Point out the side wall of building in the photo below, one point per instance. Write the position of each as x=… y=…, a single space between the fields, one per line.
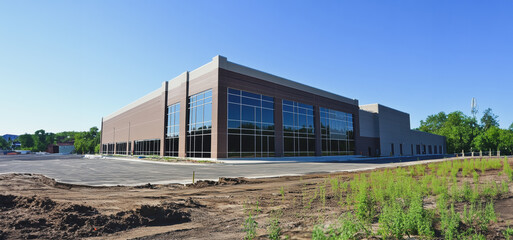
x=141 y=120
x=230 y=79
x=395 y=136
x=369 y=144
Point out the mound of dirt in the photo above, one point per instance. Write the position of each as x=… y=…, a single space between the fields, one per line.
x=222 y=181
x=43 y=218
x=232 y=181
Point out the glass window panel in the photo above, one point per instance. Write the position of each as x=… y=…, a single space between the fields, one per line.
x=310 y=120
x=267 y=126
x=251 y=101
x=176 y=119
x=288 y=118
x=233 y=143
x=248 y=131
x=334 y=145
x=234 y=111
x=252 y=95
x=258 y=143
x=311 y=145
x=268 y=105
x=199 y=114
x=288 y=144
x=248 y=143
x=199 y=125
x=234 y=130
x=248 y=125
x=258 y=115
x=200 y=96
x=198 y=141
x=233 y=98
x=248 y=113
x=206 y=143
x=233 y=124
x=302 y=121
x=267 y=116
x=287 y=102
x=288 y=108
x=267 y=98
x=193 y=115
x=208 y=113
x=208 y=94
x=271 y=146
x=233 y=91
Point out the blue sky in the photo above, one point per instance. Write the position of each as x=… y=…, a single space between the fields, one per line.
x=65 y=64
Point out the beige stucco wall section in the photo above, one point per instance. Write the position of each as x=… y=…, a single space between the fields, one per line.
x=202 y=79
x=177 y=93
x=140 y=120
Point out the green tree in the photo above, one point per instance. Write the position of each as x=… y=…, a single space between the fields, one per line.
x=488 y=139
x=458 y=128
x=506 y=142
x=68 y=136
x=87 y=142
x=511 y=127
x=433 y=123
x=489 y=119
x=42 y=139
x=3 y=143
x=27 y=141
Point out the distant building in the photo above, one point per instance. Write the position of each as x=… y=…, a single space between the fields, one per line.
x=10 y=137
x=63 y=148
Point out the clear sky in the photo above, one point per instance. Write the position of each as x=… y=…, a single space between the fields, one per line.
x=65 y=64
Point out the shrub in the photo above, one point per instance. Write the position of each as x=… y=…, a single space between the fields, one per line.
x=508 y=233
x=250 y=226
x=274 y=229
x=392 y=221
x=418 y=220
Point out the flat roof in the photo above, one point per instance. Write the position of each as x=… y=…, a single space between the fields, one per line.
x=222 y=62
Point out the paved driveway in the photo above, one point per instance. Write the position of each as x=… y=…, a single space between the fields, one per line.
x=106 y=172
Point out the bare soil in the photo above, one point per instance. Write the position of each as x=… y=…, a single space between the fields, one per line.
x=33 y=206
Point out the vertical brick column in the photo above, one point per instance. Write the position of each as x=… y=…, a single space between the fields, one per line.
x=219 y=122
x=101 y=138
x=163 y=98
x=278 y=127
x=184 y=116
x=317 y=126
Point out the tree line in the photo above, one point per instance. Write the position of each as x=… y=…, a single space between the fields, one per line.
x=84 y=142
x=466 y=133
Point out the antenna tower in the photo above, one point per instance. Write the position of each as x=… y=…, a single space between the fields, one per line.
x=473 y=107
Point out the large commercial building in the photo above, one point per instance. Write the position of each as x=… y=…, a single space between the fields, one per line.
x=226 y=110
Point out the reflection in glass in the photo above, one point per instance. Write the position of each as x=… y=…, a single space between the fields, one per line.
x=199 y=125
x=250 y=124
x=172 y=128
x=298 y=129
x=336 y=132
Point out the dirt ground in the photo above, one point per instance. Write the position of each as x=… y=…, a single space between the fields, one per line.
x=35 y=207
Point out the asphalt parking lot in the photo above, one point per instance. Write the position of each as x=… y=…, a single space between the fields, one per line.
x=107 y=172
